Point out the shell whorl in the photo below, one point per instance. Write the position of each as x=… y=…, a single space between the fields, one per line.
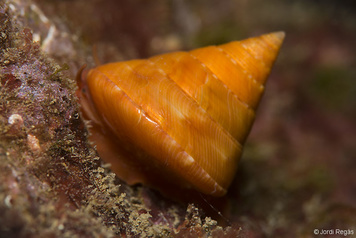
x=190 y=111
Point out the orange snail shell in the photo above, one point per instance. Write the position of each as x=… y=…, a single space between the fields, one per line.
x=179 y=118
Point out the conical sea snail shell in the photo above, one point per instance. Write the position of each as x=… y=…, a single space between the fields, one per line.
x=179 y=118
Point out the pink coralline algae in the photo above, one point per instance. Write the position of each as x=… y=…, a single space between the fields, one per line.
x=44 y=154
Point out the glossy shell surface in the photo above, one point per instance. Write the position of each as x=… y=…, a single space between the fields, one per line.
x=180 y=118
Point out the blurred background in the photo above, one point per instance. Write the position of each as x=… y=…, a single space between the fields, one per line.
x=298 y=170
